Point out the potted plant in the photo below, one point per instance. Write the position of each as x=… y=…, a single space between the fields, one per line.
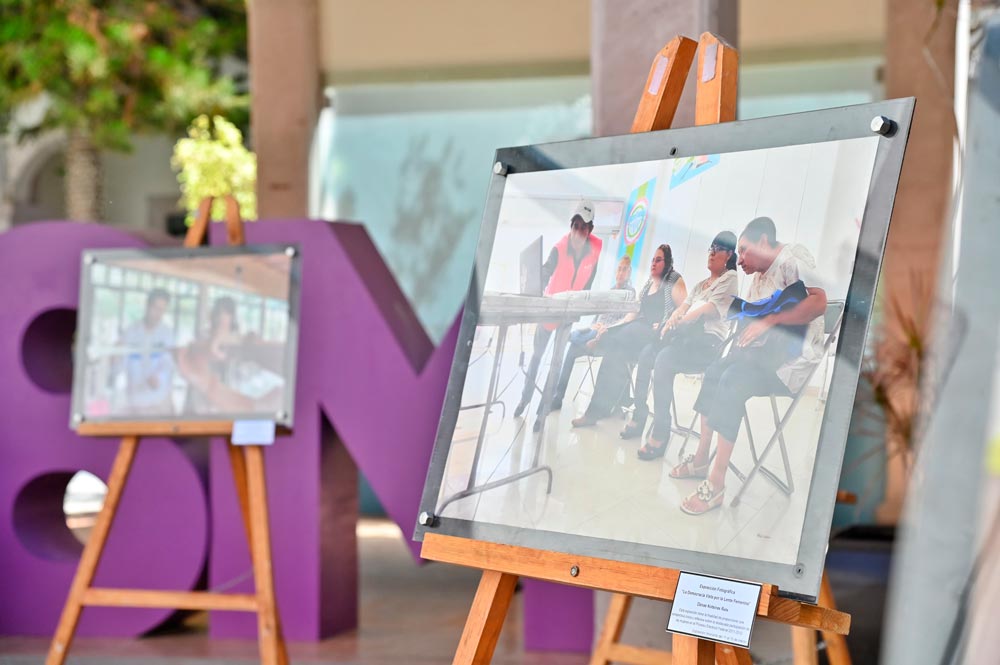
x=212 y=161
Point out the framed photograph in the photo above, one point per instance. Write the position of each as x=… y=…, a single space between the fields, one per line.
x=187 y=335
x=678 y=390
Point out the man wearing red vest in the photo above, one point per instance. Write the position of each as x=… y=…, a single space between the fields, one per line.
x=571 y=266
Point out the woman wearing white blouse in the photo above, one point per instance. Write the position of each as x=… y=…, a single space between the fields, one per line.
x=694 y=334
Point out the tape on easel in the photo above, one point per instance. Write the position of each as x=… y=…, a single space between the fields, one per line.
x=658 y=73
x=711 y=57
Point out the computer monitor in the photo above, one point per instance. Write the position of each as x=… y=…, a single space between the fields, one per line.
x=531 y=269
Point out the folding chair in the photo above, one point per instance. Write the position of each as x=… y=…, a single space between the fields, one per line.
x=690 y=431
x=593 y=378
x=590 y=373
x=831 y=326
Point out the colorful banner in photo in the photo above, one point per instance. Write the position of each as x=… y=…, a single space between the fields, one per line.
x=688 y=167
x=635 y=223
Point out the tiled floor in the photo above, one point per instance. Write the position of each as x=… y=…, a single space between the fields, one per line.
x=600 y=488
x=409 y=614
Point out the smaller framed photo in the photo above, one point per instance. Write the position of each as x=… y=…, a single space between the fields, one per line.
x=186 y=335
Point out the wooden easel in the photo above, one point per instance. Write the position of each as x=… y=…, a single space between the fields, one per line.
x=503 y=564
x=248 y=473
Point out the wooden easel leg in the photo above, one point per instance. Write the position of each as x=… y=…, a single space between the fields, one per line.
x=271 y=644
x=239 y=465
x=804 y=639
x=92 y=552
x=614 y=623
x=664 y=85
x=836 y=644
x=486 y=617
x=715 y=98
x=804 y=646
x=688 y=650
x=730 y=655
x=237 y=460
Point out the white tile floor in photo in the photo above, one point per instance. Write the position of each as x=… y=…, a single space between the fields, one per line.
x=601 y=488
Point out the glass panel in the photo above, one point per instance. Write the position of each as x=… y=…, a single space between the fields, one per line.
x=725 y=273
x=793 y=87
x=153 y=353
x=411 y=162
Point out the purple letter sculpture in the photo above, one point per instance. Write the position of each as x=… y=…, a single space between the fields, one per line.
x=369 y=392
x=160 y=535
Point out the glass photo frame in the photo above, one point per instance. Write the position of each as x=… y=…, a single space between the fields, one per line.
x=186 y=335
x=599 y=418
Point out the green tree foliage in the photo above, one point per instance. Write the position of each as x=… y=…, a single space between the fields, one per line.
x=212 y=161
x=109 y=69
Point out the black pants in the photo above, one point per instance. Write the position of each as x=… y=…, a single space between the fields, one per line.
x=573 y=351
x=643 y=373
x=729 y=382
x=540 y=341
x=620 y=346
x=685 y=354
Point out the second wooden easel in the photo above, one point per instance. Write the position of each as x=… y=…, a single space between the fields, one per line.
x=248 y=473
x=503 y=564
x=715 y=102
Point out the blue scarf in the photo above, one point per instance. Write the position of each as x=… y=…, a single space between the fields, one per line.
x=780 y=300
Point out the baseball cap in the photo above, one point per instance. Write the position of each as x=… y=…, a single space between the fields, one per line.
x=585 y=211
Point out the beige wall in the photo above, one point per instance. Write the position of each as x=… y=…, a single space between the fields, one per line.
x=376 y=40
x=385 y=38
x=811 y=26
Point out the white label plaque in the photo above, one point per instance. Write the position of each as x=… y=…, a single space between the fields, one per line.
x=253 y=433
x=714 y=608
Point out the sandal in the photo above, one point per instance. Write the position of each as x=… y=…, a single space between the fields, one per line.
x=688 y=469
x=650 y=452
x=707 y=494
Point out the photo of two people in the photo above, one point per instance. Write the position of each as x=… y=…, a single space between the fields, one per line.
x=183 y=335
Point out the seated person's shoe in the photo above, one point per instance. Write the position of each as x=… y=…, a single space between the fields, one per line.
x=707 y=497
x=632 y=430
x=688 y=469
x=652 y=450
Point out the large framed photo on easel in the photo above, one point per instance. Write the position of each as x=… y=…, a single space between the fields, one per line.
x=713 y=285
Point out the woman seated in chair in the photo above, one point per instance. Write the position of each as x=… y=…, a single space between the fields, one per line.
x=623 y=343
x=693 y=338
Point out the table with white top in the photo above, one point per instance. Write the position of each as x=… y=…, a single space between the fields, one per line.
x=505 y=310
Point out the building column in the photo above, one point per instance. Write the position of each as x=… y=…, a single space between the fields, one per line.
x=919 y=62
x=285 y=94
x=627 y=34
